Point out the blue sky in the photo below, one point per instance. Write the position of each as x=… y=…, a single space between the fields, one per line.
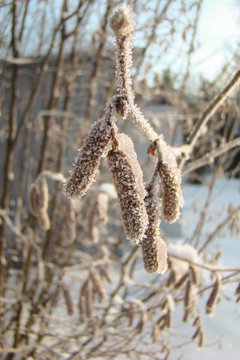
x=218 y=32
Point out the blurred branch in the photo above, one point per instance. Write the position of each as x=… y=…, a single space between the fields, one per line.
x=212 y=108
x=208 y=158
x=218 y=229
x=18 y=61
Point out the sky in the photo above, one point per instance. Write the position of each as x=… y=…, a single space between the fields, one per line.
x=218 y=31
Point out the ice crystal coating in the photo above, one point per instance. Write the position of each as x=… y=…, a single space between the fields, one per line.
x=127 y=178
x=122 y=23
x=170 y=175
x=89 y=157
x=126 y=145
x=154 y=248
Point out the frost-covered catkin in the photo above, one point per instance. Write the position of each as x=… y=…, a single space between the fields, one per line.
x=89 y=157
x=127 y=177
x=154 y=248
x=172 y=199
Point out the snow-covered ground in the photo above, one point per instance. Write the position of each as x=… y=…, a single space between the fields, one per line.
x=222 y=330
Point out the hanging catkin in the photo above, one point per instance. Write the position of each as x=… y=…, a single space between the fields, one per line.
x=213 y=297
x=127 y=177
x=154 y=248
x=172 y=199
x=39 y=201
x=89 y=157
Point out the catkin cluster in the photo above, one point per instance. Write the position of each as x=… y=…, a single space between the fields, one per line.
x=139 y=206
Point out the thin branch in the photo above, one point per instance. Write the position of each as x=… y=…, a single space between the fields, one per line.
x=212 y=108
x=218 y=229
x=208 y=158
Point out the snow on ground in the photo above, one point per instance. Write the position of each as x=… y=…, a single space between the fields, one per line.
x=222 y=330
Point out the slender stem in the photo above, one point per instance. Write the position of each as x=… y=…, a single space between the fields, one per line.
x=210 y=111
x=208 y=158
x=218 y=229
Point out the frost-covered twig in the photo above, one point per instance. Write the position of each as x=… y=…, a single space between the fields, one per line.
x=122 y=160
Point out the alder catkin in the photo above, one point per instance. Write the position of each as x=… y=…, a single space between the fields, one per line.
x=213 y=297
x=154 y=248
x=87 y=163
x=105 y=275
x=34 y=199
x=127 y=178
x=98 y=287
x=172 y=198
x=39 y=201
x=190 y=298
x=68 y=299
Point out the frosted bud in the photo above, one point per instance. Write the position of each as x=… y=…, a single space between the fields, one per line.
x=121 y=106
x=127 y=178
x=122 y=21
